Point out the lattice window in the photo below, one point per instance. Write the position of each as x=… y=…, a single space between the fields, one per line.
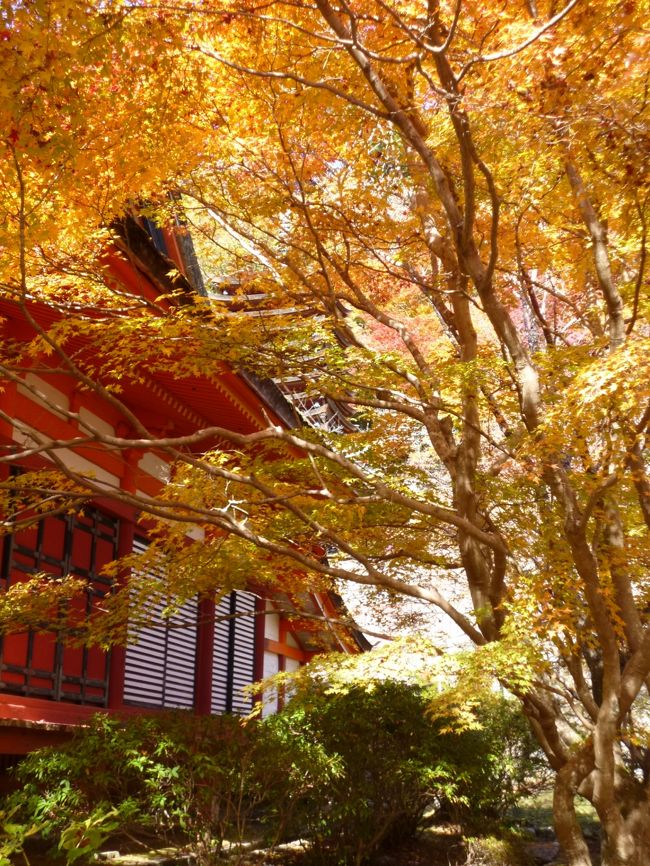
x=37 y=663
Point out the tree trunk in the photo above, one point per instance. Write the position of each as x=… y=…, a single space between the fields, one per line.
x=626 y=831
x=625 y=826
x=567 y=828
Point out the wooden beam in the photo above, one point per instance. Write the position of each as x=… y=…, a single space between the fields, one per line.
x=284 y=649
x=20 y=741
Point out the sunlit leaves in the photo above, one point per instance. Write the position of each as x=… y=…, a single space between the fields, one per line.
x=86 y=91
x=383 y=210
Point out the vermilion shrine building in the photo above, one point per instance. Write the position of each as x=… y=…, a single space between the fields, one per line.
x=198 y=660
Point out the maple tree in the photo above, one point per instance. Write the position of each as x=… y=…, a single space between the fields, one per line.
x=432 y=214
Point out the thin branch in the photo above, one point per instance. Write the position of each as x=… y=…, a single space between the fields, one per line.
x=298 y=79
x=185 y=513
x=641 y=272
x=511 y=52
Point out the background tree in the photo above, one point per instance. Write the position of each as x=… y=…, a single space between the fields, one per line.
x=444 y=209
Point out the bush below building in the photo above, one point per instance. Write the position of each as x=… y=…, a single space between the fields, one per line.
x=354 y=773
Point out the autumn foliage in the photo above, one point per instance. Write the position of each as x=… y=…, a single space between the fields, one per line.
x=433 y=214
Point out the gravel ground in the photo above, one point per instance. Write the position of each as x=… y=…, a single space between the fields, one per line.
x=437 y=846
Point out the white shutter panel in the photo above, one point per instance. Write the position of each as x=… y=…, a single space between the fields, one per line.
x=220 y=655
x=234 y=654
x=180 y=667
x=244 y=652
x=144 y=669
x=160 y=667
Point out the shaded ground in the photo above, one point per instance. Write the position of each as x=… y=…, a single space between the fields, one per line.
x=437 y=846
x=440 y=846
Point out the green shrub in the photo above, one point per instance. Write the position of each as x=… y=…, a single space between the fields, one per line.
x=13 y=832
x=385 y=768
x=353 y=771
x=389 y=763
x=173 y=775
x=493 y=851
x=495 y=764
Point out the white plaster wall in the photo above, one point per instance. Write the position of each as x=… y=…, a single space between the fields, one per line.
x=74 y=461
x=95 y=422
x=46 y=395
x=270 y=664
x=86 y=468
x=154 y=466
x=23 y=439
x=271 y=624
x=270 y=704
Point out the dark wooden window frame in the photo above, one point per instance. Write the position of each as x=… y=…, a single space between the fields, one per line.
x=18 y=559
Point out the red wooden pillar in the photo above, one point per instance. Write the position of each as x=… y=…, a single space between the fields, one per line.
x=258 y=653
x=260 y=631
x=282 y=659
x=4 y=475
x=282 y=640
x=204 y=656
x=118 y=653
